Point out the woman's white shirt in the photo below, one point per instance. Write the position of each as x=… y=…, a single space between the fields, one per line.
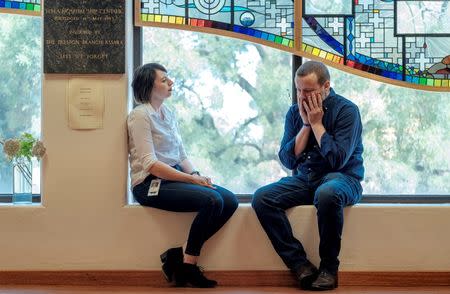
x=151 y=138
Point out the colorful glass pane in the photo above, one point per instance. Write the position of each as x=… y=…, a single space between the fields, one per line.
x=428 y=57
x=270 y=20
x=27 y=6
x=370 y=42
x=373 y=36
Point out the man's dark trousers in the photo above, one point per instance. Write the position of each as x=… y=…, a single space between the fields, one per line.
x=329 y=194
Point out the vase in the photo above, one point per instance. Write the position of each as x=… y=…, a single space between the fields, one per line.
x=23 y=179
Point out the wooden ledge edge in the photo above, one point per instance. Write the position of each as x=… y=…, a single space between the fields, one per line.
x=233 y=278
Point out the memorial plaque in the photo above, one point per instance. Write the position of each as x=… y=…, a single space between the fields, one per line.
x=84 y=36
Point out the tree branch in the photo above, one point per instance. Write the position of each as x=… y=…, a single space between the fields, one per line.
x=243 y=126
x=246 y=86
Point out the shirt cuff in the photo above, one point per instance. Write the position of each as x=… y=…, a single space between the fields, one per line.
x=288 y=153
x=325 y=144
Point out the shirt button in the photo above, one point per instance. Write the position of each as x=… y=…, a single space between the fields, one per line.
x=309 y=169
x=309 y=157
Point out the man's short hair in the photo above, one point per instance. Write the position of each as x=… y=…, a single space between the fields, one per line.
x=316 y=67
x=143 y=81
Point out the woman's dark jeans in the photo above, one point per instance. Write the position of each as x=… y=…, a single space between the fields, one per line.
x=214 y=206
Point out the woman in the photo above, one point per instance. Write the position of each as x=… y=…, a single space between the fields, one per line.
x=164 y=178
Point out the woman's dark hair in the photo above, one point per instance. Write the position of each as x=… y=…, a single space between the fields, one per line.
x=143 y=81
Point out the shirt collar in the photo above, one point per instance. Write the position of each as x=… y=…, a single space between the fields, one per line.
x=153 y=111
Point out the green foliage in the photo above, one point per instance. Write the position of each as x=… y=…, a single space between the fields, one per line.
x=20 y=152
x=26 y=146
x=20 y=55
x=23 y=148
x=406 y=132
x=231 y=98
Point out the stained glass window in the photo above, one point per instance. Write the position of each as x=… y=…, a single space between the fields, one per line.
x=271 y=21
x=369 y=41
x=398 y=41
x=22 y=6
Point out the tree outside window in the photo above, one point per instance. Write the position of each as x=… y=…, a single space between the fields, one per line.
x=20 y=89
x=231 y=98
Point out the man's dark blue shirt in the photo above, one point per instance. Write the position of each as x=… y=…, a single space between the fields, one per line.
x=341 y=145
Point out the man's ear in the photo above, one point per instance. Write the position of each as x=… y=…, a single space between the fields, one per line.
x=327 y=85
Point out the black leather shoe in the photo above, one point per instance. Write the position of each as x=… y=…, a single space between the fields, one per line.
x=306 y=274
x=193 y=276
x=325 y=281
x=172 y=261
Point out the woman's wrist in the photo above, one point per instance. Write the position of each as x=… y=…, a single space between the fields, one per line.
x=195 y=172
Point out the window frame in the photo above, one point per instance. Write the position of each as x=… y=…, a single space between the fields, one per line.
x=7 y=198
x=296 y=62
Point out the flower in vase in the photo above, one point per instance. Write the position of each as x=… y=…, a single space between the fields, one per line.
x=20 y=152
x=11 y=147
x=38 y=150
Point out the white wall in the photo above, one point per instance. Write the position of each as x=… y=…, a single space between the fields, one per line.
x=85 y=224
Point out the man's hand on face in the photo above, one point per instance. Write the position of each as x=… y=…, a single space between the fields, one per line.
x=302 y=111
x=313 y=107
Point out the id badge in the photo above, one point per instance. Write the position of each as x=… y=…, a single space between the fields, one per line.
x=154 y=187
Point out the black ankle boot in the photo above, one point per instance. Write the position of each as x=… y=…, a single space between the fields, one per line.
x=193 y=275
x=172 y=260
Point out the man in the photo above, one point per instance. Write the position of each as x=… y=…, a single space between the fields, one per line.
x=322 y=143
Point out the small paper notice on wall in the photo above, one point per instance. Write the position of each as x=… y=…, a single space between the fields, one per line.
x=86 y=103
